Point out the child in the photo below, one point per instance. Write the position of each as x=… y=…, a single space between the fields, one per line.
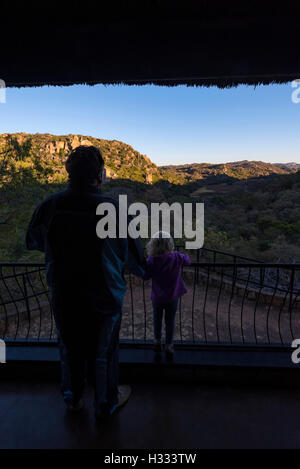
x=164 y=267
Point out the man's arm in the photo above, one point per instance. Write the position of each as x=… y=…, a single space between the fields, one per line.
x=136 y=262
x=38 y=227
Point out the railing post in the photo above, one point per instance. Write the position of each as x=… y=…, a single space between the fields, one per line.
x=235 y=273
x=292 y=288
x=25 y=296
x=262 y=275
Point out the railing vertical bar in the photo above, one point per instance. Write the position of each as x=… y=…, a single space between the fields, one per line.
x=292 y=281
x=279 y=316
x=204 y=305
x=49 y=302
x=255 y=310
x=27 y=304
x=193 y=305
x=230 y=301
x=23 y=290
x=180 y=318
x=271 y=302
x=37 y=301
x=132 y=312
x=198 y=260
x=3 y=304
x=15 y=304
x=217 y=306
x=242 y=305
x=145 y=313
x=295 y=300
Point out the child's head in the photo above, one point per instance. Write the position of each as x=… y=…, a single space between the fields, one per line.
x=161 y=243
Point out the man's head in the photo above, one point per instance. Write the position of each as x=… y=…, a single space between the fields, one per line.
x=85 y=166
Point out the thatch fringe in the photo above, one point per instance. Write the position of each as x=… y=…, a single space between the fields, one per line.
x=198 y=82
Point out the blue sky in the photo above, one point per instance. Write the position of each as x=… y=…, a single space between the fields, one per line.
x=170 y=125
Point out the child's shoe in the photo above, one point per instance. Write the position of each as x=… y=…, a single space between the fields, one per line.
x=157 y=346
x=169 y=349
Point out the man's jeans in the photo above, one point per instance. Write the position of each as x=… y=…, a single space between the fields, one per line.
x=170 y=312
x=102 y=366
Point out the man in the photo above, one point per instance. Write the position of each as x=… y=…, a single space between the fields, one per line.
x=86 y=281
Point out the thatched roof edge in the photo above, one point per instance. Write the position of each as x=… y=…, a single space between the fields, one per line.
x=224 y=82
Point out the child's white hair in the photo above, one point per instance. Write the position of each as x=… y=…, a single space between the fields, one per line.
x=160 y=243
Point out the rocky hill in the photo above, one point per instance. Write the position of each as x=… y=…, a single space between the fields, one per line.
x=44 y=155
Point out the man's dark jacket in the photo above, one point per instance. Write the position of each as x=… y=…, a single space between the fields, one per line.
x=85 y=274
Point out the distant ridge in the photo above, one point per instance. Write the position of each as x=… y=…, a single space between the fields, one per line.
x=292 y=166
x=46 y=153
x=238 y=170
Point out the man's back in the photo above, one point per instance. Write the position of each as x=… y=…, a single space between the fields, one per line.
x=84 y=272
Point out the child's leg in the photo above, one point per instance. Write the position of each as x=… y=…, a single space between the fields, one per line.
x=170 y=313
x=157 y=320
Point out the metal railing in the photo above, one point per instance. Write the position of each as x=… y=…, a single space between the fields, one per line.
x=215 y=255
x=227 y=303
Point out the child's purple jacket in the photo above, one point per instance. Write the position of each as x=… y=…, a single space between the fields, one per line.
x=165 y=271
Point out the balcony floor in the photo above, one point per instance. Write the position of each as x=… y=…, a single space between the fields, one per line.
x=32 y=415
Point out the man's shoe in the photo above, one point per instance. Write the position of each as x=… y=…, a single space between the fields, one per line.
x=157 y=346
x=124 y=393
x=169 y=349
x=74 y=408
